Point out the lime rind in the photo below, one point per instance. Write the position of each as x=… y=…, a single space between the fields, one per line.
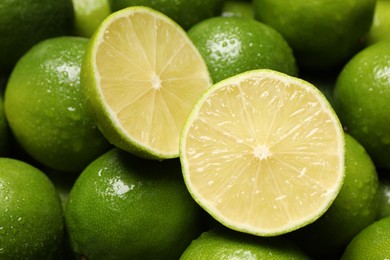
x=243 y=227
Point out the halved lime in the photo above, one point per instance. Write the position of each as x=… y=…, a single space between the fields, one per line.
x=142 y=75
x=263 y=152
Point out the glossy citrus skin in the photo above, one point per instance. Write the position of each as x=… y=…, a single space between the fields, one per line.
x=25 y=23
x=231 y=45
x=323 y=34
x=46 y=109
x=373 y=242
x=185 y=13
x=4 y=131
x=31 y=217
x=380 y=28
x=88 y=14
x=124 y=207
x=237 y=8
x=220 y=243
x=361 y=99
x=354 y=208
x=384 y=196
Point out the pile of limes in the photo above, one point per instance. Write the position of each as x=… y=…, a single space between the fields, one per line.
x=194 y=129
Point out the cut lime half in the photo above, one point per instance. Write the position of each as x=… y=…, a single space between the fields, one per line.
x=263 y=153
x=141 y=76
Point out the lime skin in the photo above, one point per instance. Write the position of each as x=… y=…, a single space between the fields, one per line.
x=31 y=218
x=231 y=45
x=46 y=109
x=125 y=207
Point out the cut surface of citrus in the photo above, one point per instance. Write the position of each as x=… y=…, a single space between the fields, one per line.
x=142 y=75
x=263 y=153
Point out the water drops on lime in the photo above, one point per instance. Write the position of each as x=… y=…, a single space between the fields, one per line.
x=157 y=216
x=46 y=109
x=231 y=45
x=31 y=219
x=373 y=242
x=361 y=97
x=354 y=208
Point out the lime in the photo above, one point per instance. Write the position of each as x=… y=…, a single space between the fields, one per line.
x=361 y=99
x=31 y=218
x=227 y=244
x=232 y=45
x=380 y=28
x=354 y=208
x=237 y=8
x=5 y=135
x=323 y=34
x=25 y=23
x=4 y=131
x=373 y=242
x=124 y=207
x=45 y=107
x=263 y=153
x=185 y=12
x=384 y=197
x=141 y=76
x=88 y=14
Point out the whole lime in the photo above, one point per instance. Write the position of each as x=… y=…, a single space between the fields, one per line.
x=45 y=106
x=324 y=34
x=238 y=8
x=88 y=14
x=4 y=131
x=232 y=45
x=25 y=23
x=361 y=100
x=185 y=12
x=221 y=243
x=373 y=242
x=384 y=197
x=124 y=207
x=380 y=28
x=31 y=217
x=354 y=208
